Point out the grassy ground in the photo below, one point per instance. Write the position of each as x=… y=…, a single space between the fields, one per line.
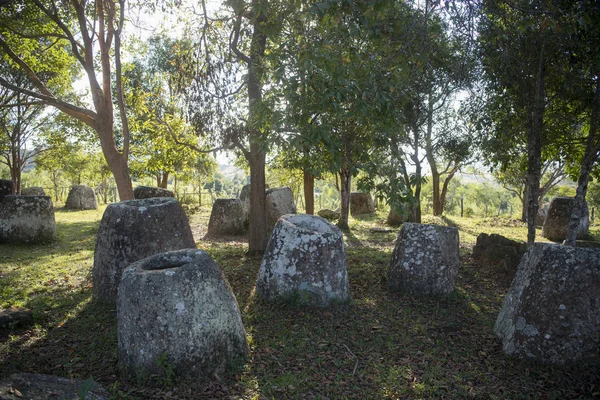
x=380 y=345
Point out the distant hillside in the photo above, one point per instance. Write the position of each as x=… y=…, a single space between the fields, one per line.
x=230 y=171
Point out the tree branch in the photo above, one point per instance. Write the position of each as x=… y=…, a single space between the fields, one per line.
x=86 y=116
x=234 y=43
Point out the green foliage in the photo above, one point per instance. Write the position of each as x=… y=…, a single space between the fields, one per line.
x=85 y=388
x=163 y=142
x=167 y=377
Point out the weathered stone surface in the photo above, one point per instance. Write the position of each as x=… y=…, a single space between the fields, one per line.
x=397 y=219
x=551 y=312
x=81 y=197
x=540 y=218
x=27 y=219
x=15 y=318
x=245 y=193
x=587 y=244
x=5 y=188
x=425 y=259
x=148 y=192
x=305 y=257
x=227 y=218
x=33 y=191
x=279 y=201
x=497 y=250
x=44 y=387
x=331 y=215
x=361 y=203
x=132 y=230
x=179 y=304
x=557 y=220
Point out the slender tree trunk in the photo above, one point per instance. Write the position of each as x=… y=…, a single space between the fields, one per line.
x=165 y=180
x=417 y=203
x=524 y=200
x=55 y=183
x=438 y=206
x=445 y=189
x=534 y=149
x=591 y=155
x=345 y=182
x=309 y=192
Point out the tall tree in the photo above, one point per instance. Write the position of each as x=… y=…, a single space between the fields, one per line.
x=585 y=63
x=20 y=120
x=231 y=46
x=522 y=63
x=155 y=92
x=41 y=34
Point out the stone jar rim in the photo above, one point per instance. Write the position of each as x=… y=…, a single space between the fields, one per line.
x=291 y=219
x=145 y=203
x=172 y=260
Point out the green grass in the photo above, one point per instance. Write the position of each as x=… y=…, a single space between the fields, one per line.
x=379 y=345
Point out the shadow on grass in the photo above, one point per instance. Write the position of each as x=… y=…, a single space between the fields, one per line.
x=398 y=345
x=81 y=342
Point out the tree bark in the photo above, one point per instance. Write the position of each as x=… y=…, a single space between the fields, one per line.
x=534 y=149
x=257 y=241
x=165 y=180
x=345 y=182
x=309 y=192
x=590 y=156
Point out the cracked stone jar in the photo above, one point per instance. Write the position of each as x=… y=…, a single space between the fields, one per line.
x=132 y=230
x=305 y=259
x=177 y=309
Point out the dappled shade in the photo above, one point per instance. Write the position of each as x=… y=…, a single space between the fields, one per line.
x=551 y=312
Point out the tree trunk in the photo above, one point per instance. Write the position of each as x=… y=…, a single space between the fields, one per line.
x=534 y=150
x=417 y=203
x=345 y=181
x=590 y=156
x=309 y=192
x=524 y=204
x=257 y=237
x=165 y=180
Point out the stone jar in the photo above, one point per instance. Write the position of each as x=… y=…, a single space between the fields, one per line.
x=361 y=203
x=33 y=191
x=147 y=192
x=227 y=218
x=425 y=259
x=27 y=219
x=305 y=258
x=132 y=230
x=551 y=312
x=558 y=218
x=178 y=305
x=278 y=202
x=81 y=197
